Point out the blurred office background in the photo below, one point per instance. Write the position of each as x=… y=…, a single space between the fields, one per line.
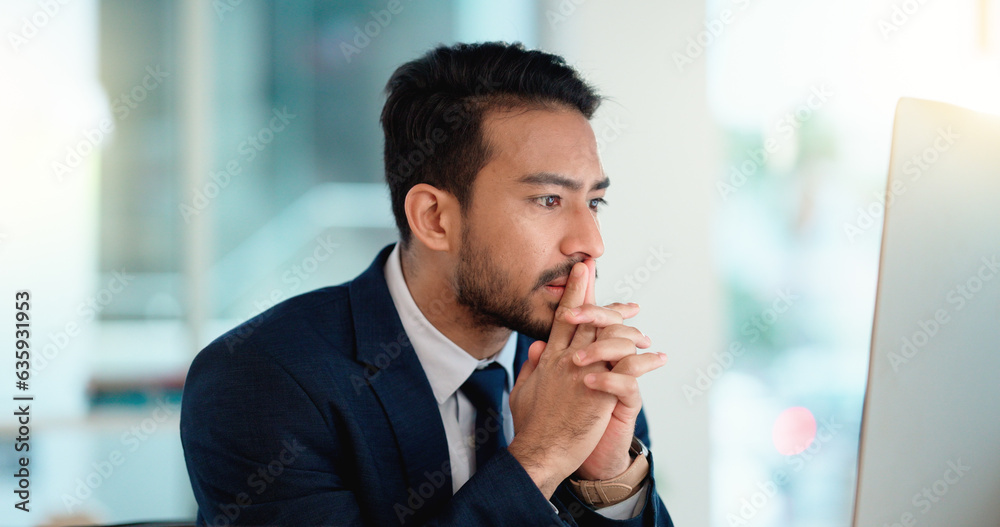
x=169 y=169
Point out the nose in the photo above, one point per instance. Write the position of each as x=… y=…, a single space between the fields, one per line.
x=583 y=235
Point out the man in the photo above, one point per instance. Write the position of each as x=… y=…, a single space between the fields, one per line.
x=392 y=399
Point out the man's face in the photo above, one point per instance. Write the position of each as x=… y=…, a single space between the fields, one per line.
x=533 y=214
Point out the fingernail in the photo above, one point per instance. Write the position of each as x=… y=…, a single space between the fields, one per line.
x=580 y=356
x=633 y=304
x=575 y=311
x=663 y=356
x=590 y=378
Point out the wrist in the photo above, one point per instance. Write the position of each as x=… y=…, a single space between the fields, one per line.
x=535 y=462
x=613 y=470
x=604 y=492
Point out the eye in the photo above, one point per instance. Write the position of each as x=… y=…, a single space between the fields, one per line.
x=597 y=203
x=548 y=201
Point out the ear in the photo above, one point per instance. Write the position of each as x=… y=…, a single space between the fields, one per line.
x=434 y=217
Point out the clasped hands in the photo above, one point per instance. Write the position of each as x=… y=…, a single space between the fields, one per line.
x=576 y=399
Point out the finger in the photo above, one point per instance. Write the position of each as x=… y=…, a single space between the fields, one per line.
x=624 y=387
x=534 y=354
x=640 y=364
x=611 y=349
x=640 y=339
x=605 y=350
x=596 y=316
x=573 y=296
x=535 y=350
x=590 y=297
x=627 y=310
x=584 y=336
x=586 y=333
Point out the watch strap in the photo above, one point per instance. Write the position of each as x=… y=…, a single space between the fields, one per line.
x=601 y=493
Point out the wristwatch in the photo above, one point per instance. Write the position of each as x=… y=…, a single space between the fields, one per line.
x=604 y=492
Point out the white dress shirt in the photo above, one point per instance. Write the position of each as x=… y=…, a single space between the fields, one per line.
x=447 y=367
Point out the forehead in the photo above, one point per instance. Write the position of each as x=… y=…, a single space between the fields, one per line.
x=529 y=141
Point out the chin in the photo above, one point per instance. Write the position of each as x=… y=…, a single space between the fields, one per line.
x=541 y=323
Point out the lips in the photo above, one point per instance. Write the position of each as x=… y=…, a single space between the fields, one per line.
x=560 y=282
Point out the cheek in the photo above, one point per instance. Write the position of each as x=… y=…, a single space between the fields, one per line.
x=517 y=236
x=521 y=242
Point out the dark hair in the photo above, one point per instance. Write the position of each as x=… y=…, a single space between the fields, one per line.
x=433 y=113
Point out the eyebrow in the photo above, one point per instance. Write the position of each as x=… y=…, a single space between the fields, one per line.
x=549 y=178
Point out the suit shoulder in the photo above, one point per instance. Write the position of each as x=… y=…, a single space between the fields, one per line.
x=303 y=324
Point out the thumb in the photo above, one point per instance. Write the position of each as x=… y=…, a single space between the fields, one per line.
x=534 y=354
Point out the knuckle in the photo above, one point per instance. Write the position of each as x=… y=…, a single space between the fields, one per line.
x=610 y=316
x=625 y=367
x=626 y=344
x=616 y=331
x=595 y=349
x=630 y=366
x=564 y=362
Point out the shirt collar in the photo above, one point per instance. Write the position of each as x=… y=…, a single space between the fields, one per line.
x=446 y=365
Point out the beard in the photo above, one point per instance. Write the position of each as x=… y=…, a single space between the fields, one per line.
x=490 y=292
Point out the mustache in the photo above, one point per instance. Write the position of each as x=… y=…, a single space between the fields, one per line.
x=560 y=272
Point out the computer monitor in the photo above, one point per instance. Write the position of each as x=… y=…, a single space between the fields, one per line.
x=930 y=436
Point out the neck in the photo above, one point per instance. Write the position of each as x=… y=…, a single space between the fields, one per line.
x=426 y=276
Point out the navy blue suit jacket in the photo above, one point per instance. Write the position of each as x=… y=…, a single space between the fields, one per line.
x=317 y=412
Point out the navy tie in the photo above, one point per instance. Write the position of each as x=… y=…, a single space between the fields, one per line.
x=484 y=388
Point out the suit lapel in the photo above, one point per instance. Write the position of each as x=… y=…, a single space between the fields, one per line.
x=401 y=385
x=399 y=382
